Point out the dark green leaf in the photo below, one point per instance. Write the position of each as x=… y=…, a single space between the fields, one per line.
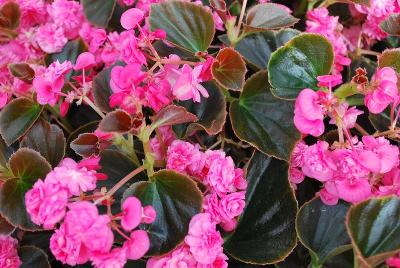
x=188 y=25
x=258 y=47
x=17 y=117
x=263 y=120
x=86 y=145
x=229 y=69
x=321 y=228
x=47 y=139
x=381 y=122
x=98 y=12
x=211 y=113
x=266 y=230
x=268 y=16
x=296 y=65
x=172 y=115
x=390 y=58
x=33 y=257
x=22 y=71
x=391 y=25
x=374 y=228
x=176 y=199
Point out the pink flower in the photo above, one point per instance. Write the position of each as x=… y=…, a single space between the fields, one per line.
x=390 y=183
x=184 y=157
x=378 y=155
x=125 y=78
x=131 y=213
x=318 y=162
x=167 y=136
x=353 y=190
x=221 y=173
x=384 y=91
x=98 y=37
x=204 y=241
x=149 y=214
x=50 y=38
x=130 y=51
x=131 y=18
x=220 y=262
x=46 y=203
x=188 y=86
x=138 y=245
x=8 y=252
x=84 y=61
x=296 y=176
x=232 y=205
x=329 y=81
x=179 y=257
x=328 y=198
x=69 y=175
x=308 y=113
x=394 y=261
x=116 y=258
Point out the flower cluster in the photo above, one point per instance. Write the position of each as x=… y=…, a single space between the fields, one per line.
x=8 y=252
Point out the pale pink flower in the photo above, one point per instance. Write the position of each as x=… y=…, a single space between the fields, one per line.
x=232 y=205
x=211 y=206
x=33 y=12
x=8 y=252
x=84 y=61
x=131 y=18
x=149 y=214
x=51 y=38
x=188 y=86
x=184 y=157
x=309 y=113
x=353 y=190
x=138 y=245
x=116 y=258
x=384 y=90
x=220 y=262
x=204 y=241
x=74 y=178
x=131 y=213
x=178 y=258
x=46 y=203
x=221 y=173
x=318 y=162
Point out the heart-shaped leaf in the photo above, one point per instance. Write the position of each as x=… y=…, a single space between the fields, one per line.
x=390 y=58
x=47 y=139
x=258 y=47
x=211 y=113
x=268 y=16
x=229 y=69
x=263 y=120
x=27 y=167
x=172 y=115
x=176 y=200
x=321 y=229
x=391 y=25
x=116 y=121
x=22 y=71
x=374 y=229
x=6 y=228
x=296 y=65
x=10 y=14
x=266 y=230
x=17 y=117
x=99 y=12
x=188 y=25
x=31 y=256
x=86 y=145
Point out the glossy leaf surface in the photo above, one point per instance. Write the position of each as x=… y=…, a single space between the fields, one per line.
x=390 y=58
x=99 y=12
x=116 y=121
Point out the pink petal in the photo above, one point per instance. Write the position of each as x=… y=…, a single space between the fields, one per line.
x=132 y=213
x=131 y=18
x=85 y=60
x=138 y=245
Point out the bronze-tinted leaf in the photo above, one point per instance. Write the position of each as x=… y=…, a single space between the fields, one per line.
x=87 y=144
x=22 y=71
x=172 y=115
x=10 y=15
x=390 y=58
x=116 y=121
x=391 y=25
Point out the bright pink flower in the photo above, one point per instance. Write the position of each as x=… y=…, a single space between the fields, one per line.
x=46 y=203
x=131 y=18
x=33 y=12
x=184 y=157
x=296 y=176
x=318 y=162
x=240 y=182
x=130 y=51
x=51 y=38
x=353 y=190
x=204 y=241
x=84 y=61
x=329 y=81
x=157 y=94
x=188 y=86
x=74 y=178
x=205 y=73
x=390 y=183
x=125 y=78
x=394 y=261
x=211 y=206
x=221 y=174
x=308 y=113
x=116 y=258
x=8 y=252
x=97 y=39
x=328 y=198
x=167 y=137
x=384 y=90
x=220 y=262
x=178 y=258
x=378 y=155
x=138 y=245
x=131 y=213
x=149 y=214
x=232 y=205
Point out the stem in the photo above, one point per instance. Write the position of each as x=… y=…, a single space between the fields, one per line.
x=340 y=132
x=94 y=107
x=61 y=120
x=369 y=52
x=121 y=233
x=361 y=130
x=116 y=187
x=127 y=146
x=244 y=4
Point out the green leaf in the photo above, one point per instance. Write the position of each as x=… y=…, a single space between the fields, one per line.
x=17 y=117
x=116 y=121
x=263 y=120
x=296 y=65
x=211 y=113
x=391 y=25
x=258 y=47
x=47 y=139
x=22 y=71
x=381 y=122
x=229 y=69
x=31 y=256
x=321 y=228
x=176 y=199
x=268 y=16
x=390 y=58
x=98 y=12
x=266 y=230
x=188 y=25
x=86 y=145
x=374 y=229
x=346 y=90
x=172 y=115
x=27 y=166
